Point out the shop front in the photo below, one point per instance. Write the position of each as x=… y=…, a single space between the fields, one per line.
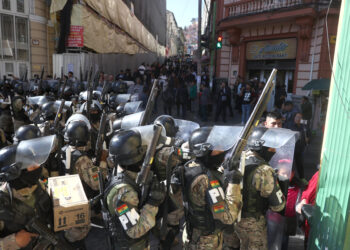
x=262 y=56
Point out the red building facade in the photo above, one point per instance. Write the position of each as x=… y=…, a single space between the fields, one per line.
x=287 y=34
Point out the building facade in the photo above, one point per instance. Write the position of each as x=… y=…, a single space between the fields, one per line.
x=289 y=35
x=174 y=36
x=26 y=35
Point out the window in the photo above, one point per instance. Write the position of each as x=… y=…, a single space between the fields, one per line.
x=8 y=41
x=9 y=68
x=22 y=38
x=20 y=6
x=6 y=4
x=22 y=68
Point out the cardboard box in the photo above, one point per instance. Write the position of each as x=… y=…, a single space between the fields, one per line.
x=70 y=205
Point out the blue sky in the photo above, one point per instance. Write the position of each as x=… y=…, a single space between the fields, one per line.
x=184 y=10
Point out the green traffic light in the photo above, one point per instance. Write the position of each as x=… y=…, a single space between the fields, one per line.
x=218 y=45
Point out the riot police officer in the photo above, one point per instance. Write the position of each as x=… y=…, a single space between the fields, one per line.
x=26 y=132
x=260 y=192
x=75 y=156
x=132 y=221
x=208 y=210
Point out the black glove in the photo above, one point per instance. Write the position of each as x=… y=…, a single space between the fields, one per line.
x=232 y=176
x=157 y=194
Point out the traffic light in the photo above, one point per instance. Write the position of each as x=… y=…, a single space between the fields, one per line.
x=219 y=43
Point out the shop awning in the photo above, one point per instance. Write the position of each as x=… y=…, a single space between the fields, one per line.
x=318 y=84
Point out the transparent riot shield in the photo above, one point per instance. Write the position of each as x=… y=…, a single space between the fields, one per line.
x=79 y=117
x=38 y=100
x=121 y=98
x=84 y=95
x=222 y=138
x=67 y=105
x=132 y=107
x=131 y=121
x=185 y=128
x=283 y=141
x=34 y=151
x=147 y=133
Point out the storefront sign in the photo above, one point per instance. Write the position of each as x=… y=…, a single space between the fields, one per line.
x=272 y=49
x=76 y=36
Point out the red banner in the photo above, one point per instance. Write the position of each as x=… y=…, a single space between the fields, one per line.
x=76 y=36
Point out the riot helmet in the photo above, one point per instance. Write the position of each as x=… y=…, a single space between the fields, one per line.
x=117 y=124
x=49 y=111
x=95 y=110
x=198 y=142
x=168 y=123
x=9 y=170
x=77 y=133
x=125 y=149
x=254 y=142
x=120 y=112
x=26 y=132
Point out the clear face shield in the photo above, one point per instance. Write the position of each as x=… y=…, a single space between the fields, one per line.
x=185 y=129
x=35 y=152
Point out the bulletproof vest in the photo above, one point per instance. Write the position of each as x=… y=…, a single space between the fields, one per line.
x=254 y=205
x=199 y=217
x=120 y=238
x=16 y=214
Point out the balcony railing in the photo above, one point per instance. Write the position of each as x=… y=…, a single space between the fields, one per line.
x=244 y=7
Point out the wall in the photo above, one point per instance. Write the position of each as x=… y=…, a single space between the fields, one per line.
x=152 y=13
x=42 y=31
x=330 y=226
x=109 y=63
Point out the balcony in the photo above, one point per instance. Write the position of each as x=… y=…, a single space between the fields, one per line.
x=235 y=8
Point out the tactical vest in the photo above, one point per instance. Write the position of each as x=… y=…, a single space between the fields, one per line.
x=199 y=217
x=253 y=204
x=120 y=239
x=16 y=214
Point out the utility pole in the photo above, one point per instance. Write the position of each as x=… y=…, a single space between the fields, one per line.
x=199 y=49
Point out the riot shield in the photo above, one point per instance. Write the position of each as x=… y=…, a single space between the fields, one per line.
x=132 y=107
x=134 y=98
x=84 y=95
x=131 y=121
x=84 y=108
x=34 y=151
x=67 y=105
x=185 y=128
x=147 y=133
x=121 y=98
x=222 y=138
x=79 y=117
x=38 y=100
x=283 y=141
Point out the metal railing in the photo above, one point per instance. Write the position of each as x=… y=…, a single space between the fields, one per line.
x=244 y=7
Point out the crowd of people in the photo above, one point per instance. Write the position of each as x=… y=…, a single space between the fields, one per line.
x=106 y=127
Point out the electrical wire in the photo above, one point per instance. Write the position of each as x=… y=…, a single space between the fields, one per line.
x=330 y=63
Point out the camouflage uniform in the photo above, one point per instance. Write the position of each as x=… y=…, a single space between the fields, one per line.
x=204 y=225
x=20 y=117
x=37 y=198
x=266 y=194
x=123 y=194
x=83 y=165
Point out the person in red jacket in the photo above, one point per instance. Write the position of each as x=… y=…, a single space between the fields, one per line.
x=308 y=197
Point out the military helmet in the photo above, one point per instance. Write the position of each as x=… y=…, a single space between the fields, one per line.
x=198 y=142
x=49 y=111
x=125 y=148
x=9 y=170
x=26 y=132
x=77 y=133
x=254 y=141
x=168 y=123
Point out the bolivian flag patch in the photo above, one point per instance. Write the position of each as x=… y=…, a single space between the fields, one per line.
x=95 y=177
x=214 y=184
x=122 y=209
x=218 y=208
